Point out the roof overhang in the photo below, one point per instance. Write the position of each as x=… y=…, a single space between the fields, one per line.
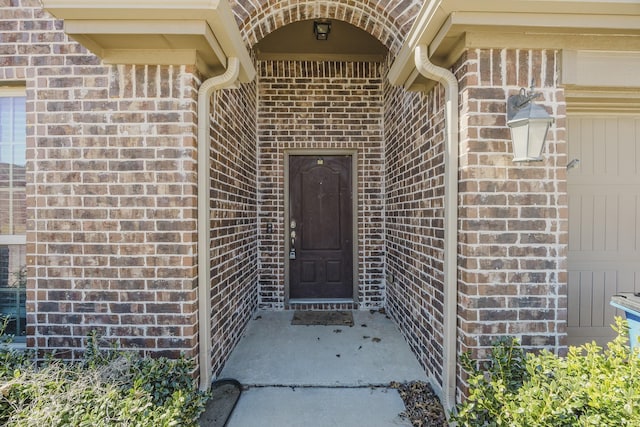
x=449 y=27
x=159 y=32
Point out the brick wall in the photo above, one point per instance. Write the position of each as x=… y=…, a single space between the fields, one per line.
x=513 y=216
x=112 y=196
x=414 y=175
x=320 y=105
x=234 y=263
x=112 y=246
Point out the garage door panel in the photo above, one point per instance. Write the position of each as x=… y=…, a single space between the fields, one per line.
x=578 y=336
x=627 y=223
x=627 y=280
x=573 y=296
x=604 y=222
x=586 y=298
x=600 y=151
x=611 y=224
x=637 y=222
x=574 y=221
x=611 y=151
x=604 y=213
x=599 y=221
x=589 y=293
x=627 y=147
x=586 y=222
x=636 y=133
x=585 y=150
x=610 y=289
x=598 y=292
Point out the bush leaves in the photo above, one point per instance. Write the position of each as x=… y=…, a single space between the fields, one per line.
x=109 y=388
x=591 y=386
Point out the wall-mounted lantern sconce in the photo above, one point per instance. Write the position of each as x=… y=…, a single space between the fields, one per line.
x=529 y=124
x=321 y=29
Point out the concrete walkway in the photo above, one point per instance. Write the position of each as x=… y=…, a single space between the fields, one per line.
x=319 y=376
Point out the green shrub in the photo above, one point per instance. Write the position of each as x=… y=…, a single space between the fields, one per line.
x=10 y=357
x=591 y=386
x=109 y=388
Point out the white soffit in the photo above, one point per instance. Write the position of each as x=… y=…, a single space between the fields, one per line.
x=200 y=32
x=448 y=27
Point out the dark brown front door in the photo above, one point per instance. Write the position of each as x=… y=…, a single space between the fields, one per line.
x=321 y=227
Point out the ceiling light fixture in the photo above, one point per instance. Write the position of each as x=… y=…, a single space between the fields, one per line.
x=321 y=29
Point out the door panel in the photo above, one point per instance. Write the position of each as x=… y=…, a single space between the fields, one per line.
x=321 y=208
x=321 y=217
x=604 y=214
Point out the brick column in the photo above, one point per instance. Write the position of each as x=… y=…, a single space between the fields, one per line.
x=513 y=216
x=111 y=200
x=113 y=206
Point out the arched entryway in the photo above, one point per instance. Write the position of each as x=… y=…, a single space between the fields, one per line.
x=386 y=21
x=326 y=102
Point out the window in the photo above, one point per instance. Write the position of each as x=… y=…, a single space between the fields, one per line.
x=13 y=210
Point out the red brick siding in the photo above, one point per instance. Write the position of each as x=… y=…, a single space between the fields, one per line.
x=314 y=105
x=414 y=176
x=513 y=216
x=234 y=263
x=111 y=193
x=113 y=206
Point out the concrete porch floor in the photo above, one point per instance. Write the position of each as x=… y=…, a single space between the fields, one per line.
x=320 y=375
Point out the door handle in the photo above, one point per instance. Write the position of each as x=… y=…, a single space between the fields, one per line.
x=292 y=249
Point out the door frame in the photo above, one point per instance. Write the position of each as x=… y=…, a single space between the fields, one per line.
x=354 y=214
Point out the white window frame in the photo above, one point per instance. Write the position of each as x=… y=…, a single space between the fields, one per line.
x=13 y=239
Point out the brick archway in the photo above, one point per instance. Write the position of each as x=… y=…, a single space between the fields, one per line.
x=388 y=21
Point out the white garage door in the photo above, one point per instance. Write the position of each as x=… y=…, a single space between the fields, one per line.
x=604 y=221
